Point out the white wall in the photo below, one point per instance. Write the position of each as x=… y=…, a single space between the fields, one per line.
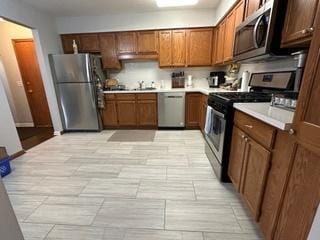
x=223 y=7
x=8 y=135
x=14 y=87
x=315 y=229
x=133 y=72
x=46 y=40
x=137 y=21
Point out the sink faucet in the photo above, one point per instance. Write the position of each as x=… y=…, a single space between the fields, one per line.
x=141 y=84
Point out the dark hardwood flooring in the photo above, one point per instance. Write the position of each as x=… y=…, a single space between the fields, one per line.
x=32 y=136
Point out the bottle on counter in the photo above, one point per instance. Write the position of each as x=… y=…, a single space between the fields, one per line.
x=75 y=47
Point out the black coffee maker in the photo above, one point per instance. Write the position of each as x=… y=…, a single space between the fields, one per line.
x=216 y=78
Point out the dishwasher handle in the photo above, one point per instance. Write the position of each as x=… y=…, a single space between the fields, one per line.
x=174 y=96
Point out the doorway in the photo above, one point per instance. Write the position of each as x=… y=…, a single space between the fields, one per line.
x=25 y=89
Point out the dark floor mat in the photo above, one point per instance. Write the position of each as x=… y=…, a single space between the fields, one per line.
x=133 y=136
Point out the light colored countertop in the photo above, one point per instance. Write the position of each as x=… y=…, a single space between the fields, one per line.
x=205 y=91
x=279 y=118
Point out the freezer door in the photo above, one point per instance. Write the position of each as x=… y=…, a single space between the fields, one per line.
x=78 y=106
x=71 y=68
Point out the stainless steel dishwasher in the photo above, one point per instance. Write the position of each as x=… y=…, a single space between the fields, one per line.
x=171 y=109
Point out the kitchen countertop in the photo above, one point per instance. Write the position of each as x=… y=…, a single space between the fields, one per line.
x=205 y=91
x=279 y=118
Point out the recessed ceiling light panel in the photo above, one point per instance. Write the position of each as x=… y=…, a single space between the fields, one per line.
x=176 y=3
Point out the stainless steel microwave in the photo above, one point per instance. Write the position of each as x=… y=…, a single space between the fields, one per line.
x=259 y=36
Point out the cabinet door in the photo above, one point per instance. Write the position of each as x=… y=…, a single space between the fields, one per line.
x=299 y=22
x=67 y=42
x=147 y=113
x=302 y=195
x=239 y=13
x=199 y=47
x=252 y=6
x=220 y=42
x=147 y=42
x=127 y=116
x=214 y=45
x=236 y=159
x=256 y=167
x=193 y=112
x=126 y=43
x=229 y=37
x=165 y=48
x=110 y=114
x=89 y=43
x=179 y=48
x=108 y=51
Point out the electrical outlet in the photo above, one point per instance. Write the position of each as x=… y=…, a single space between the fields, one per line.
x=19 y=83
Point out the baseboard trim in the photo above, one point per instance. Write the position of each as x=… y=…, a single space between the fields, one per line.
x=24 y=124
x=17 y=154
x=57 y=133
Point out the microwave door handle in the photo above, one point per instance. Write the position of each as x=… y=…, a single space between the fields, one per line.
x=255 y=31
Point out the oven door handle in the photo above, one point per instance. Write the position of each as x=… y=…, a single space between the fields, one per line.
x=255 y=31
x=218 y=113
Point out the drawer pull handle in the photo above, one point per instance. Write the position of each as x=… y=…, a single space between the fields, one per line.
x=248 y=126
x=246 y=139
x=243 y=136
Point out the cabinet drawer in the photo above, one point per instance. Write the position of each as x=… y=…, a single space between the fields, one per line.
x=261 y=132
x=109 y=96
x=125 y=96
x=147 y=96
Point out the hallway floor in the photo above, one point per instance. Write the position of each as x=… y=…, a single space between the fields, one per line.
x=32 y=136
x=80 y=186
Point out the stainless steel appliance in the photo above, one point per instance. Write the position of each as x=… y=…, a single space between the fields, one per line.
x=216 y=78
x=171 y=109
x=259 y=36
x=220 y=113
x=77 y=78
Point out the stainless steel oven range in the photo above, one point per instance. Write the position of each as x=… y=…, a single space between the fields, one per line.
x=220 y=113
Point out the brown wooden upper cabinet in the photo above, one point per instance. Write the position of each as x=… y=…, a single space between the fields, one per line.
x=239 y=13
x=89 y=43
x=126 y=43
x=147 y=42
x=252 y=6
x=67 y=42
x=229 y=37
x=178 y=48
x=199 y=47
x=109 y=51
x=298 y=27
x=172 y=48
x=220 y=42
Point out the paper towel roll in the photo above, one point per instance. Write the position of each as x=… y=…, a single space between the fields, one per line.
x=245 y=81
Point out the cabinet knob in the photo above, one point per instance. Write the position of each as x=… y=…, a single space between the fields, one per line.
x=292 y=131
x=246 y=139
x=243 y=136
x=30 y=91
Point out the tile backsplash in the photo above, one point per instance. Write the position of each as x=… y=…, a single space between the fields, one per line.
x=149 y=71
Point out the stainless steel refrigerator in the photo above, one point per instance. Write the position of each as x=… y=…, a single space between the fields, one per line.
x=77 y=79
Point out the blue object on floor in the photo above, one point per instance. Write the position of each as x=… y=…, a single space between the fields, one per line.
x=5 y=167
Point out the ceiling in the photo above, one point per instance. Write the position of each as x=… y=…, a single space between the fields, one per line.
x=60 y=8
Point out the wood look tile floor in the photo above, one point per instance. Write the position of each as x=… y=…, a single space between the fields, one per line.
x=79 y=186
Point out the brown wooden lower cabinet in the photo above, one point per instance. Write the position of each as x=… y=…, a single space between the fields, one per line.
x=193 y=110
x=130 y=111
x=203 y=106
x=255 y=172
x=127 y=115
x=147 y=113
x=236 y=158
